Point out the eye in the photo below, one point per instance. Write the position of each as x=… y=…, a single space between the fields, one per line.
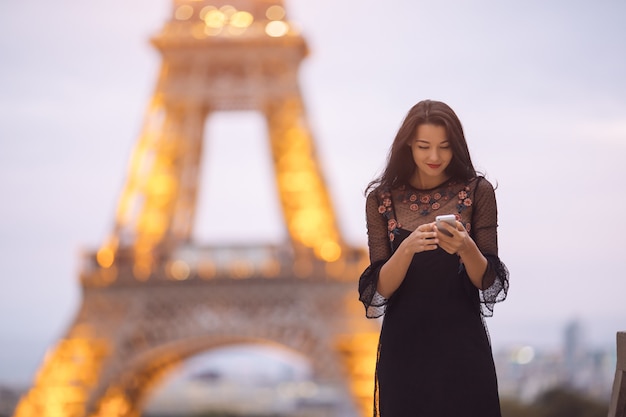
x=422 y=147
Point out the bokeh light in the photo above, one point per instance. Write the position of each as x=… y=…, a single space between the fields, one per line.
x=179 y=270
x=241 y=19
x=183 y=12
x=524 y=355
x=275 y=12
x=214 y=19
x=276 y=29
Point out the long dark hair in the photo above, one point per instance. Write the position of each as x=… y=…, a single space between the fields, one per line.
x=400 y=164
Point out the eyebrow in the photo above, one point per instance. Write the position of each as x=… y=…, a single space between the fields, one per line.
x=425 y=141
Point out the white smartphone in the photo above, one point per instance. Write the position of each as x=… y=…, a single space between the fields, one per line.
x=447 y=218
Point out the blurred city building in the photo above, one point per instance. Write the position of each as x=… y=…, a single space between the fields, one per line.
x=525 y=372
x=8 y=400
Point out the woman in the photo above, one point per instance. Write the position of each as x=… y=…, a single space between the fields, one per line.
x=434 y=353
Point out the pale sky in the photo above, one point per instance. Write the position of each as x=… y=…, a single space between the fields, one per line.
x=539 y=86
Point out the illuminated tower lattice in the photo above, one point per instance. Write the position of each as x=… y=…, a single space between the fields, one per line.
x=152 y=297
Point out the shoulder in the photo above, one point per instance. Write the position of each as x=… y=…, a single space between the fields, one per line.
x=372 y=201
x=482 y=185
x=378 y=195
x=379 y=202
x=484 y=192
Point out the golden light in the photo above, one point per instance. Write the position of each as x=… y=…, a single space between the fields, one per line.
x=275 y=12
x=235 y=31
x=205 y=10
x=270 y=268
x=124 y=208
x=228 y=10
x=70 y=369
x=276 y=29
x=142 y=271
x=209 y=31
x=198 y=31
x=241 y=269
x=179 y=270
x=309 y=218
x=214 y=19
x=294 y=159
x=152 y=222
x=359 y=356
x=143 y=247
x=330 y=251
x=105 y=257
x=161 y=187
x=114 y=404
x=108 y=275
x=306 y=225
x=241 y=19
x=183 y=12
x=296 y=134
x=296 y=181
x=206 y=269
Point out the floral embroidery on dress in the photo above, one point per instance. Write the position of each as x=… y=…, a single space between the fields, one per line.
x=424 y=203
x=386 y=210
x=464 y=200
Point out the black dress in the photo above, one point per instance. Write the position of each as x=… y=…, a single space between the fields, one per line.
x=434 y=353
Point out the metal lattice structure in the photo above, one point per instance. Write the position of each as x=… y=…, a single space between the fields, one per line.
x=151 y=296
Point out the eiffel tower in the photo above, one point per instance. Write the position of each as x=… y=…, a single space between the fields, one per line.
x=151 y=296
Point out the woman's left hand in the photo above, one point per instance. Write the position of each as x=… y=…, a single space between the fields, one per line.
x=457 y=242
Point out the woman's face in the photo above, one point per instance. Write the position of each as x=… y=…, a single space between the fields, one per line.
x=432 y=154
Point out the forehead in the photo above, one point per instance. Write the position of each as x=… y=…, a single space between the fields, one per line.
x=431 y=133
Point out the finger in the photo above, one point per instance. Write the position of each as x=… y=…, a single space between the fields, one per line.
x=428 y=244
x=442 y=232
x=423 y=234
x=455 y=232
x=426 y=227
x=448 y=246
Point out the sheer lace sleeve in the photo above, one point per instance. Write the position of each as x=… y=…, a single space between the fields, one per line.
x=379 y=251
x=495 y=282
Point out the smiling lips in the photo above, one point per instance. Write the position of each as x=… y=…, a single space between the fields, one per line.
x=434 y=166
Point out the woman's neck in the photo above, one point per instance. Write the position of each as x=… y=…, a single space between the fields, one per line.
x=423 y=182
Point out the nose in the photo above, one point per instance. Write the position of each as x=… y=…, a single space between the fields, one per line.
x=433 y=155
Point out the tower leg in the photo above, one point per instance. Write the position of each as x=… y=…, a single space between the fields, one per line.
x=303 y=193
x=70 y=372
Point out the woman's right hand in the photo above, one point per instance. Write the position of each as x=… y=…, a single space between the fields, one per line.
x=392 y=273
x=421 y=239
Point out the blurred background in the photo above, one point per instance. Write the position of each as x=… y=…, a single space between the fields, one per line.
x=540 y=90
